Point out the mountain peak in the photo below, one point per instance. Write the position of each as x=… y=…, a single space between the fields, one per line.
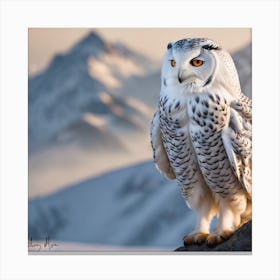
x=91 y=44
x=94 y=37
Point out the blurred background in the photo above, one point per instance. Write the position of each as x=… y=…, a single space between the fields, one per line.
x=92 y=93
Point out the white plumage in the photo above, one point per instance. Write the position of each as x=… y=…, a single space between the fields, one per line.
x=201 y=135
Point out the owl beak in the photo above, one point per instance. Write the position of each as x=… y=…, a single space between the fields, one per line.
x=182 y=76
x=179 y=79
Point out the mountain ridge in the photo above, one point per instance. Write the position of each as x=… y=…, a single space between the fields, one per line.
x=68 y=89
x=105 y=210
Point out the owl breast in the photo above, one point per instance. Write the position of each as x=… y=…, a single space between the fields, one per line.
x=191 y=130
x=174 y=124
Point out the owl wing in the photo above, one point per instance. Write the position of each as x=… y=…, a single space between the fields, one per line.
x=243 y=105
x=159 y=153
x=237 y=140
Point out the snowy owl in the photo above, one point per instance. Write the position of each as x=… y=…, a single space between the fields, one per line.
x=201 y=136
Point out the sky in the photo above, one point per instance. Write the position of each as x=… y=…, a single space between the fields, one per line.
x=44 y=43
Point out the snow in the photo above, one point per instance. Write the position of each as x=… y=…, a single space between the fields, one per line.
x=75 y=83
x=135 y=206
x=111 y=69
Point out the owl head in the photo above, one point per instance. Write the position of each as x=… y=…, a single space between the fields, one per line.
x=197 y=64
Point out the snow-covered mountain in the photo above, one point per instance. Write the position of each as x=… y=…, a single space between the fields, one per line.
x=243 y=62
x=83 y=119
x=78 y=92
x=135 y=207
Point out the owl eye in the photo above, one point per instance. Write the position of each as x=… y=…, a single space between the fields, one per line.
x=173 y=62
x=196 y=62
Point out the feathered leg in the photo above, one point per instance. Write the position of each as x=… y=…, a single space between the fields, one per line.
x=203 y=203
x=230 y=217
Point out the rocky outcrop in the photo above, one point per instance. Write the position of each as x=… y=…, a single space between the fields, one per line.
x=240 y=241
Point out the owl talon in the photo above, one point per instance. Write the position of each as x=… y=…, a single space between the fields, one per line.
x=216 y=239
x=244 y=221
x=197 y=238
x=188 y=240
x=226 y=234
x=213 y=240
